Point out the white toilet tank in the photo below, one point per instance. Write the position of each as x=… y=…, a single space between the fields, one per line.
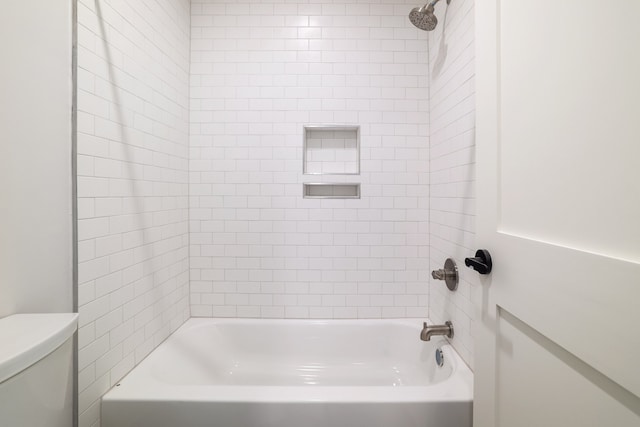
x=36 y=370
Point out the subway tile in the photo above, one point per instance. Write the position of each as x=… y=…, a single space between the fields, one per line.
x=133 y=143
x=452 y=207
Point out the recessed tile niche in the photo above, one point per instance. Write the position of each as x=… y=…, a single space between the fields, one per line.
x=339 y=190
x=331 y=150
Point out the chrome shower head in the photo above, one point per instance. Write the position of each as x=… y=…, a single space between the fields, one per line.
x=424 y=17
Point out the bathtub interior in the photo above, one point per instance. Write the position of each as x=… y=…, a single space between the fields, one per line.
x=299 y=353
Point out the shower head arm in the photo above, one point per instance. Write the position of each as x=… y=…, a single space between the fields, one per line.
x=432 y=3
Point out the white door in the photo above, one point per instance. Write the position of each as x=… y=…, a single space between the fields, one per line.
x=558 y=158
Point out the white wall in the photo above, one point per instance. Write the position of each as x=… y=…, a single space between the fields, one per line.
x=452 y=166
x=35 y=157
x=261 y=70
x=133 y=91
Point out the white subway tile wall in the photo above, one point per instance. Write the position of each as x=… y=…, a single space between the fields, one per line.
x=260 y=71
x=133 y=138
x=452 y=166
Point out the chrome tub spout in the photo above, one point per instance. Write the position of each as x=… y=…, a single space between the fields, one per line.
x=430 y=330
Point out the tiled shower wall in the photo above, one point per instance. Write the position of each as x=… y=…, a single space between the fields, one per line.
x=133 y=122
x=261 y=70
x=452 y=166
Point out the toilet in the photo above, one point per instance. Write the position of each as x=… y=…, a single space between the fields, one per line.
x=36 y=369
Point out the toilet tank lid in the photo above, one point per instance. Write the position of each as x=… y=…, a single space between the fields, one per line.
x=27 y=338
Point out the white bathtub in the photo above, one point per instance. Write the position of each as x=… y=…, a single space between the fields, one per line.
x=294 y=373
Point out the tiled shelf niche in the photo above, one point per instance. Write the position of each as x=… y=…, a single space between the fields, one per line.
x=331 y=150
x=334 y=190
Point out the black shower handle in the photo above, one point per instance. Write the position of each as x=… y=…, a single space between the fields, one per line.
x=481 y=262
